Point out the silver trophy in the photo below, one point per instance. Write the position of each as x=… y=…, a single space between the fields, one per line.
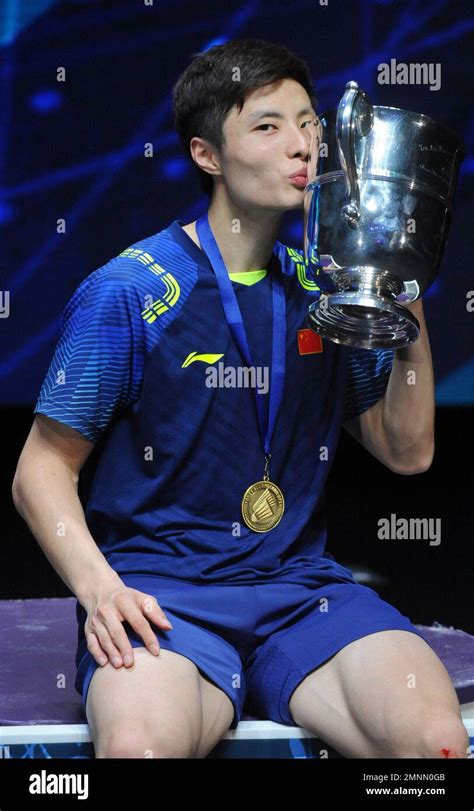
x=377 y=211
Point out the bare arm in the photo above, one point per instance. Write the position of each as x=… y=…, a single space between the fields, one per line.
x=399 y=429
x=45 y=494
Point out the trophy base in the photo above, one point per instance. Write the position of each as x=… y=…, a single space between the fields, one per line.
x=363 y=311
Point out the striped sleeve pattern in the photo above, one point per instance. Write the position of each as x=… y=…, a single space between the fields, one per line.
x=97 y=366
x=368 y=374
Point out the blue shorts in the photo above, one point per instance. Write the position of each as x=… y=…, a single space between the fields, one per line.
x=255 y=642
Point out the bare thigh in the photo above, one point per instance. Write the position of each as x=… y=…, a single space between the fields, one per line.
x=161 y=707
x=384 y=695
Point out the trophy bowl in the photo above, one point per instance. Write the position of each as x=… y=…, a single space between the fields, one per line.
x=377 y=211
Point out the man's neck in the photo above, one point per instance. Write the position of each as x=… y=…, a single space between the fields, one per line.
x=245 y=239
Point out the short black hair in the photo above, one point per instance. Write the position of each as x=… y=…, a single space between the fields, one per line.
x=206 y=91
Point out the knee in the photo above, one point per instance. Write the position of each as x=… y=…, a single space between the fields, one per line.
x=438 y=735
x=445 y=736
x=127 y=742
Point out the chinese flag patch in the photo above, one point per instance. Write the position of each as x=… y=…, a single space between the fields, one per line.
x=309 y=342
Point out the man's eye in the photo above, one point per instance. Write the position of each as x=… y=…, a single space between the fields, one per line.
x=310 y=121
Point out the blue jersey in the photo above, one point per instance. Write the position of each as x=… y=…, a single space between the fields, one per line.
x=146 y=367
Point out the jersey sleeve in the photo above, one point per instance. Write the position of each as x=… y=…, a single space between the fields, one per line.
x=367 y=378
x=97 y=366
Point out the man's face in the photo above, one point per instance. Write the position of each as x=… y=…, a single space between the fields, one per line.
x=261 y=152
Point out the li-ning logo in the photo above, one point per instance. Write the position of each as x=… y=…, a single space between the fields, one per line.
x=207 y=358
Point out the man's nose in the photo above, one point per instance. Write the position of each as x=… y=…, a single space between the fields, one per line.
x=300 y=143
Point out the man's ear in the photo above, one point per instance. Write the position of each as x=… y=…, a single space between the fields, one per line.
x=205 y=155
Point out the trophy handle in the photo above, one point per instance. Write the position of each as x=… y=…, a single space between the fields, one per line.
x=354 y=114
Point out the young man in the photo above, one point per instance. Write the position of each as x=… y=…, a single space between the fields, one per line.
x=206 y=503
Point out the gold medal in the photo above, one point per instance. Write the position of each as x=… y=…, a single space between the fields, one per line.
x=263 y=504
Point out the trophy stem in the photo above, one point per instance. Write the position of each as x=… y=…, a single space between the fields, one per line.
x=363 y=311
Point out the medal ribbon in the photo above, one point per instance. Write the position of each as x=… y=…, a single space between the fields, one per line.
x=236 y=326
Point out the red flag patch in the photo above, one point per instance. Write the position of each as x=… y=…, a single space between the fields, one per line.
x=309 y=342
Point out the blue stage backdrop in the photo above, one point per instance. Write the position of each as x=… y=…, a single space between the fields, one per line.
x=85 y=85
